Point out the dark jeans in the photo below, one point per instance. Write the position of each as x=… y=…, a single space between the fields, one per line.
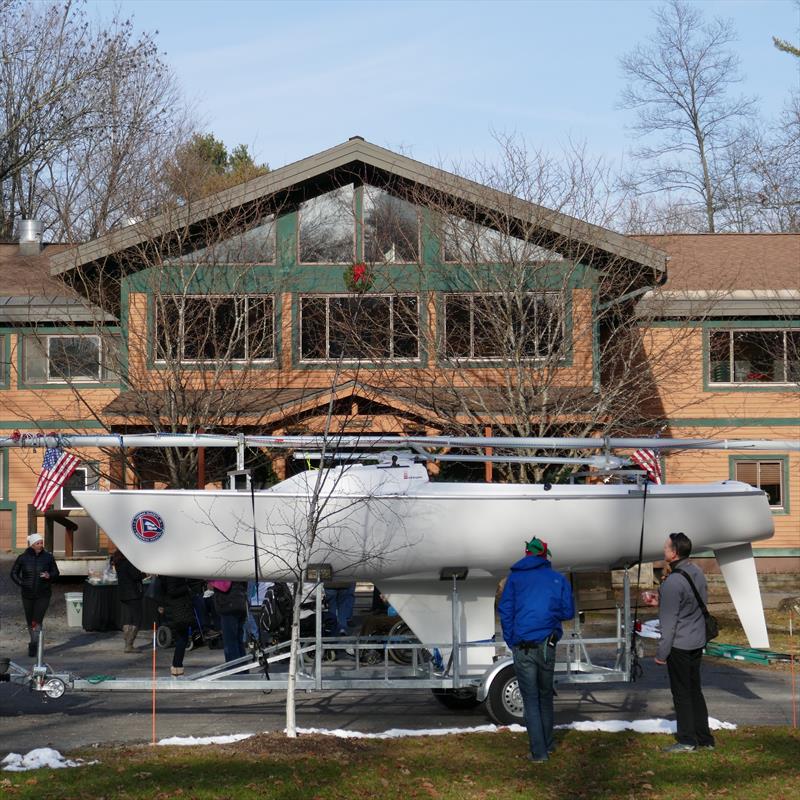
x=233 y=635
x=180 y=632
x=683 y=667
x=35 y=608
x=340 y=609
x=535 y=667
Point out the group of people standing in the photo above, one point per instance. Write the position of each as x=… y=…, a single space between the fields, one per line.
x=535 y=600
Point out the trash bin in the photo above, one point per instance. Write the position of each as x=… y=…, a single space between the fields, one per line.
x=74 y=602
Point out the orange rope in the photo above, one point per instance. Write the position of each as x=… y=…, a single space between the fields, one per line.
x=791 y=661
x=154 y=683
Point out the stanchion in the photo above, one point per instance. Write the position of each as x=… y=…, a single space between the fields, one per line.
x=154 y=683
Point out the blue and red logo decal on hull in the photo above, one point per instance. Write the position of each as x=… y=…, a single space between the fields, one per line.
x=147 y=526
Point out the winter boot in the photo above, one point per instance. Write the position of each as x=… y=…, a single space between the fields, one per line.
x=33 y=645
x=126 y=635
x=134 y=631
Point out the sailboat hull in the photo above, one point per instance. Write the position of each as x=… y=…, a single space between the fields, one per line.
x=417 y=529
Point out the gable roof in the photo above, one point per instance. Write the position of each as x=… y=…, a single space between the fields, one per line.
x=359 y=157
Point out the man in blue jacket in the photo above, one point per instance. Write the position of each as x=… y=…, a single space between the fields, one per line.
x=535 y=600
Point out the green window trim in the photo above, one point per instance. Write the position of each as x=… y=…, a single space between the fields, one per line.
x=38 y=336
x=785 y=508
x=765 y=325
x=269 y=362
x=5 y=367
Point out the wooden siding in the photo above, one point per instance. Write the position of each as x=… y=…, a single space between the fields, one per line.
x=682 y=390
x=714 y=465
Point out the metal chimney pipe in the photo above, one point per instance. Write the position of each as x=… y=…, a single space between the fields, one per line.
x=30 y=237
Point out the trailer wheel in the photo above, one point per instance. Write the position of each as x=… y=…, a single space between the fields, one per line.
x=504 y=701
x=457 y=699
x=164 y=636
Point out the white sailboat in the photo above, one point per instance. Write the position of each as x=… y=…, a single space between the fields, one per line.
x=388 y=524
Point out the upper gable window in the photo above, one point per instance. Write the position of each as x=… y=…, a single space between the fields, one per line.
x=254 y=246
x=754 y=356
x=465 y=242
x=391 y=228
x=212 y=328
x=326 y=228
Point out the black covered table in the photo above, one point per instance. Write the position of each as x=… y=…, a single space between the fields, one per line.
x=102 y=610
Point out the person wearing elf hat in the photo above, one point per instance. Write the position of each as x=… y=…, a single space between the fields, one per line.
x=535 y=601
x=34 y=572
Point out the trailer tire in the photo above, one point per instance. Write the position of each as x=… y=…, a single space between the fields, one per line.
x=458 y=699
x=504 y=701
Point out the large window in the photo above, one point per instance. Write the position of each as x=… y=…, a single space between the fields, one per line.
x=492 y=326
x=254 y=246
x=765 y=475
x=214 y=328
x=468 y=242
x=360 y=327
x=66 y=358
x=327 y=229
x=391 y=228
x=754 y=356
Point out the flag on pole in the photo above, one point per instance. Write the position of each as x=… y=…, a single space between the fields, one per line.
x=649 y=461
x=56 y=470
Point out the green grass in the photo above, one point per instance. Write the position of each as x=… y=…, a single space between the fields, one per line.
x=752 y=763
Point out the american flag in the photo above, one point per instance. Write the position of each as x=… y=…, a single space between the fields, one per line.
x=649 y=461
x=56 y=469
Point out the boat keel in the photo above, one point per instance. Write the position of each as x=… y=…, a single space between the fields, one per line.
x=738 y=568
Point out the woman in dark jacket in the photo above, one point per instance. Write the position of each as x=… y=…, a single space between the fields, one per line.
x=129 y=580
x=175 y=601
x=34 y=571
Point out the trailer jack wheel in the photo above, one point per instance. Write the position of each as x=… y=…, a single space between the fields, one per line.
x=504 y=701
x=55 y=688
x=457 y=699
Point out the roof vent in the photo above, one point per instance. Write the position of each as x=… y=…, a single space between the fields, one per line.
x=30 y=237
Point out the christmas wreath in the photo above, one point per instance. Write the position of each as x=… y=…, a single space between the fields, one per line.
x=358 y=277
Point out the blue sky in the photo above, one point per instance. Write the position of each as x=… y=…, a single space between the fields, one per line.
x=433 y=79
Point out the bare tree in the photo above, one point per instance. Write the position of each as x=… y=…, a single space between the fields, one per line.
x=82 y=110
x=679 y=86
x=537 y=333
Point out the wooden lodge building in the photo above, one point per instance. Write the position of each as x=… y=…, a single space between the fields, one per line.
x=362 y=291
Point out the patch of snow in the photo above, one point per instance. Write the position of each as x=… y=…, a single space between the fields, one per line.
x=399 y=733
x=40 y=758
x=658 y=725
x=189 y=741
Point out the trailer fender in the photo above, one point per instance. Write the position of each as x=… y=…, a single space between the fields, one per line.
x=491 y=674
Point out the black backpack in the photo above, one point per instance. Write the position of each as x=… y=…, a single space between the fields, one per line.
x=276 y=611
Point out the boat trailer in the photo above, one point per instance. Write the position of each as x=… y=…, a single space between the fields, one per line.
x=371 y=663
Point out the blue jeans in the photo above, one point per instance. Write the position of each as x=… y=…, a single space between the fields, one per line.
x=232 y=635
x=535 y=668
x=340 y=608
